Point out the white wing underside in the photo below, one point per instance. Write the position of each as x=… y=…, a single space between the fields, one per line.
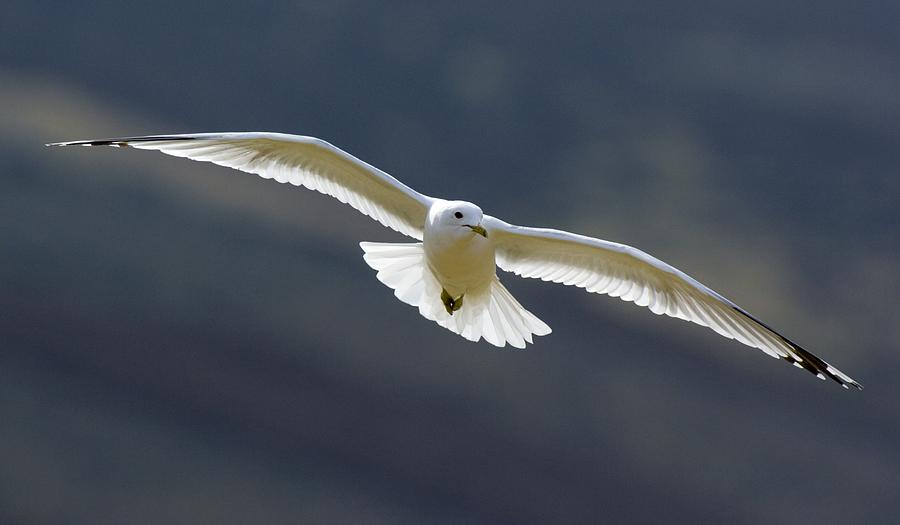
x=621 y=271
x=301 y=161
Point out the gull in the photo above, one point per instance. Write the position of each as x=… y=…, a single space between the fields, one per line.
x=450 y=274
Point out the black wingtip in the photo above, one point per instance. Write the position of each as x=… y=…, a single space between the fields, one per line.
x=121 y=142
x=817 y=366
x=807 y=360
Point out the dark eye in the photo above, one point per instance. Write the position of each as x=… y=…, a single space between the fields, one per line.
x=458 y=215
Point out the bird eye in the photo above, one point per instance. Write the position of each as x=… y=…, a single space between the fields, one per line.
x=458 y=215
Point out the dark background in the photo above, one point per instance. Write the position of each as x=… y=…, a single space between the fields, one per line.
x=182 y=343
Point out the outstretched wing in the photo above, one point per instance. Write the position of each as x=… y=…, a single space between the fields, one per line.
x=627 y=273
x=301 y=161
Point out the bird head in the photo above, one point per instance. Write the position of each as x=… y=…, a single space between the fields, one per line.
x=461 y=214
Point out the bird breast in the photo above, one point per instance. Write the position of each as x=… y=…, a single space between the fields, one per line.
x=461 y=261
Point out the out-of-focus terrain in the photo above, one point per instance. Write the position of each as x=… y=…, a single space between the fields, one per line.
x=183 y=343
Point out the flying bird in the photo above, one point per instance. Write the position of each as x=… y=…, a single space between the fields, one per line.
x=450 y=275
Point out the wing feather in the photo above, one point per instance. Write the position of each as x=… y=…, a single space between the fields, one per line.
x=300 y=161
x=627 y=273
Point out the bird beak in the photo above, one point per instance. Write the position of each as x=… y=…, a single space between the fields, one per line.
x=478 y=229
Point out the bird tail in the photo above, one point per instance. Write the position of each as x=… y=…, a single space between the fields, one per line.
x=491 y=313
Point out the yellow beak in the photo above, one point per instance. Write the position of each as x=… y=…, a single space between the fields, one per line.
x=479 y=230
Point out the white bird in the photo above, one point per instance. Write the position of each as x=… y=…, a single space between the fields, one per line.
x=451 y=274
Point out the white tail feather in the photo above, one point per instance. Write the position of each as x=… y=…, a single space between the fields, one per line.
x=491 y=313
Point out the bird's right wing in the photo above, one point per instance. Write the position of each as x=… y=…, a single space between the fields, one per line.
x=621 y=271
x=301 y=161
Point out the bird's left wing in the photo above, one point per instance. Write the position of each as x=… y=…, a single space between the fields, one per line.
x=301 y=161
x=627 y=273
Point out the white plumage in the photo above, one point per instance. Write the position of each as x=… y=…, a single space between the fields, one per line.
x=451 y=275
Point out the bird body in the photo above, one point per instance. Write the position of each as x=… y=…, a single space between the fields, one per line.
x=460 y=258
x=451 y=274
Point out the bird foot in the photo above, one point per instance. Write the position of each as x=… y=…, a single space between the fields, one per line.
x=451 y=304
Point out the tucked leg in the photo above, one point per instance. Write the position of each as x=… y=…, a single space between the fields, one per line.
x=457 y=303
x=451 y=304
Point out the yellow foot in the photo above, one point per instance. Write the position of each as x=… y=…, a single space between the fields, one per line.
x=451 y=304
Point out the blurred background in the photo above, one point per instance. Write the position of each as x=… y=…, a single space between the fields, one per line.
x=182 y=343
